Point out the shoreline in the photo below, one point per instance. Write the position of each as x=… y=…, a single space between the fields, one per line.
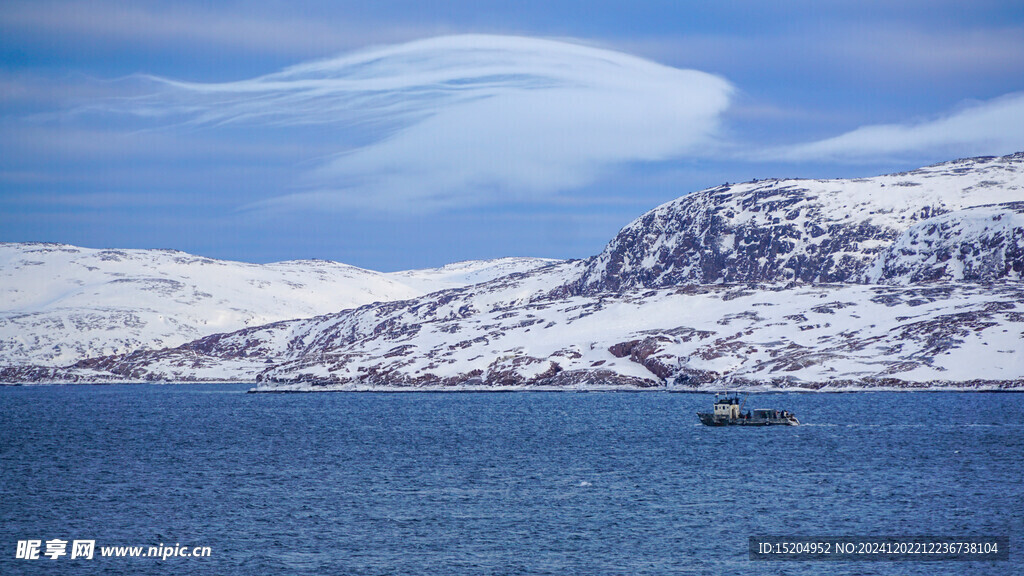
x=1009 y=387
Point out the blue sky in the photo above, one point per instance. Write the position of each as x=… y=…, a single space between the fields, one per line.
x=395 y=134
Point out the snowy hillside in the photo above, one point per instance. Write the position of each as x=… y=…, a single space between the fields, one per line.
x=837 y=336
x=804 y=230
x=828 y=335
x=904 y=281
x=60 y=304
x=973 y=245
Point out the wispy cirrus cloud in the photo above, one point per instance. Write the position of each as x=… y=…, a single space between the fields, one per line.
x=459 y=120
x=985 y=128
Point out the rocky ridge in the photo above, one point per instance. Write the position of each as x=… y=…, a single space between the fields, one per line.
x=798 y=230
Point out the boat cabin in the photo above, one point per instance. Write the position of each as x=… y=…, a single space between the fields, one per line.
x=728 y=407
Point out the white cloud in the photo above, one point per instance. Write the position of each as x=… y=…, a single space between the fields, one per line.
x=469 y=119
x=987 y=128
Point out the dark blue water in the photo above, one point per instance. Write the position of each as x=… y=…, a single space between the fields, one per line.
x=525 y=483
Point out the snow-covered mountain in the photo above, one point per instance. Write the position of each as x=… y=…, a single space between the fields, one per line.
x=803 y=230
x=692 y=336
x=60 y=304
x=906 y=280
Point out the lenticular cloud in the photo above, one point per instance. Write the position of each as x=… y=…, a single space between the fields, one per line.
x=466 y=119
x=992 y=127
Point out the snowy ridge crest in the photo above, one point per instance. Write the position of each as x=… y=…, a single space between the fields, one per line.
x=796 y=230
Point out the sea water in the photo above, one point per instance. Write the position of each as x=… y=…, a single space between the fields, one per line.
x=496 y=483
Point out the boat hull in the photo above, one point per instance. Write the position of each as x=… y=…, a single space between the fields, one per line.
x=709 y=419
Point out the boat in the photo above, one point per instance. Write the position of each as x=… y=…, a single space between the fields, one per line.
x=728 y=411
